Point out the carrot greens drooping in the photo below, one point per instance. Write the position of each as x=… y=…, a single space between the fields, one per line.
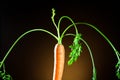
x=91 y=55
x=4 y=75
x=76 y=49
x=59 y=51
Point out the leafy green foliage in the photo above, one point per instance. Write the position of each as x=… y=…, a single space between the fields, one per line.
x=118 y=69
x=4 y=75
x=118 y=74
x=76 y=49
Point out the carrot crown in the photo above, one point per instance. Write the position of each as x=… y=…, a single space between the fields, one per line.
x=76 y=47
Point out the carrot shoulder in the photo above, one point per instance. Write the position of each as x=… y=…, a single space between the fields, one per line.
x=59 y=59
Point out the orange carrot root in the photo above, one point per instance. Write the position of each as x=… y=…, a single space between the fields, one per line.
x=59 y=59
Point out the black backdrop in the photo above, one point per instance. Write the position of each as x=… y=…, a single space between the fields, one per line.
x=32 y=57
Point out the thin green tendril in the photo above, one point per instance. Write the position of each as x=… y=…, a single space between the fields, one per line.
x=57 y=28
x=33 y=30
x=93 y=64
x=96 y=29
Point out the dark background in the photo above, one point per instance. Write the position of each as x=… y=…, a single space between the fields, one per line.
x=32 y=57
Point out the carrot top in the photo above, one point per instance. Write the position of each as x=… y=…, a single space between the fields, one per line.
x=76 y=46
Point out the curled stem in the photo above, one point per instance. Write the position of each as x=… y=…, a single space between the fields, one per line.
x=63 y=17
x=57 y=28
x=110 y=43
x=93 y=64
x=92 y=59
x=33 y=30
x=96 y=29
x=73 y=24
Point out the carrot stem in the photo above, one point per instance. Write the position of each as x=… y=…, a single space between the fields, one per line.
x=59 y=51
x=57 y=28
x=105 y=37
x=73 y=24
x=93 y=64
x=33 y=30
x=91 y=55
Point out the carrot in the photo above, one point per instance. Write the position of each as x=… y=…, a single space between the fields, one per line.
x=59 y=59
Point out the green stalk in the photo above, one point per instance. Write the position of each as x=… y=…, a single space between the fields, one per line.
x=63 y=17
x=73 y=24
x=92 y=59
x=4 y=68
x=57 y=28
x=116 y=52
x=93 y=64
x=33 y=30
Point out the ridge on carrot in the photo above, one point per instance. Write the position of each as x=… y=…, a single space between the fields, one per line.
x=59 y=50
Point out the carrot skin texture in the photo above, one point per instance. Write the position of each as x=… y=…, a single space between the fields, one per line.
x=59 y=59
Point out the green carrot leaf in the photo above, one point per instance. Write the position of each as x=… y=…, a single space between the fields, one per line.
x=76 y=49
x=3 y=74
x=118 y=74
x=118 y=69
x=7 y=77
